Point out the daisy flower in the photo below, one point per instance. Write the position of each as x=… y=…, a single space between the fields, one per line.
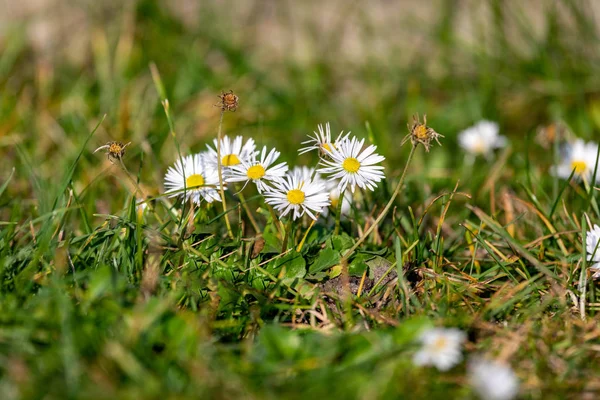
x=592 y=242
x=321 y=141
x=233 y=152
x=295 y=193
x=258 y=171
x=441 y=347
x=354 y=166
x=482 y=138
x=493 y=380
x=580 y=157
x=193 y=178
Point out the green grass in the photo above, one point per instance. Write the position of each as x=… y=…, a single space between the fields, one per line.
x=100 y=301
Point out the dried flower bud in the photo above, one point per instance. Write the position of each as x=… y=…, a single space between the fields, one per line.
x=114 y=150
x=421 y=133
x=228 y=101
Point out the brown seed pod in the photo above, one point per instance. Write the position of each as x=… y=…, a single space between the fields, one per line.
x=114 y=150
x=228 y=101
x=421 y=133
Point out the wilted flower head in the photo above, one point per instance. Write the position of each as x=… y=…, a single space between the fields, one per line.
x=482 y=138
x=580 y=157
x=114 y=150
x=493 y=380
x=228 y=101
x=441 y=347
x=592 y=248
x=421 y=133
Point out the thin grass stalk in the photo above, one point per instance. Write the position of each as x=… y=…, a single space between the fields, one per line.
x=385 y=210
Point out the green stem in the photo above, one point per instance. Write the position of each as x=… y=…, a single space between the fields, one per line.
x=338 y=213
x=219 y=169
x=248 y=213
x=288 y=228
x=385 y=210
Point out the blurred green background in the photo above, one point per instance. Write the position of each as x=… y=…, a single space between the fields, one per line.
x=109 y=330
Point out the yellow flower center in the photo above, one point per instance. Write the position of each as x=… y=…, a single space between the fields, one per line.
x=420 y=132
x=255 y=172
x=295 y=196
x=230 y=160
x=579 y=166
x=327 y=146
x=194 y=181
x=440 y=344
x=351 y=165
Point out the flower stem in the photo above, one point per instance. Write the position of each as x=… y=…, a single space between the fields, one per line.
x=299 y=248
x=288 y=228
x=248 y=213
x=219 y=169
x=338 y=213
x=385 y=210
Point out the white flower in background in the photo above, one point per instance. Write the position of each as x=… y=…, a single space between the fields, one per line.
x=294 y=193
x=581 y=158
x=333 y=187
x=233 y=152
x=482 y=138
x=354 y=166
x=493 y=380
x=441 y=347
x=305 y=173
x=193 y=178
x=592 y=242
x=322 y=140
x=258 y=171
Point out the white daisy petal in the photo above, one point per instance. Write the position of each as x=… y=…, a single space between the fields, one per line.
x=299 y=193
x=441 y=348
x=353 y=167
x=232 y=152
x=581 y=158
x=258 y=171
x=482 y=138
x=493 y=380
x=193 y=178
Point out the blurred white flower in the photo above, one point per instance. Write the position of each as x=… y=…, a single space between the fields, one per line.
x=482 y=138
x=581 y=158
x=258 y=171
x=193 y=178
x=233 y=152
x=353 y=166
x=493 y=380
x=592 y=242
x=333 y=186
x=306 y=173
x=322 y=140
x=441 y=347
x=293 y=192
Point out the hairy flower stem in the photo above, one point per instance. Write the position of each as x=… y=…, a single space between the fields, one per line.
x=338 y=213
x=219 y=169
x=248 y=212
x=385 y=210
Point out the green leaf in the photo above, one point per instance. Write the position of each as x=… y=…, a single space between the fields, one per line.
x=358 y=265
x=327 y=258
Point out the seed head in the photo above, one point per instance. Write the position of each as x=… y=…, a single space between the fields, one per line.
x=421 y=133
x=114 y=150
x=228 y=101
